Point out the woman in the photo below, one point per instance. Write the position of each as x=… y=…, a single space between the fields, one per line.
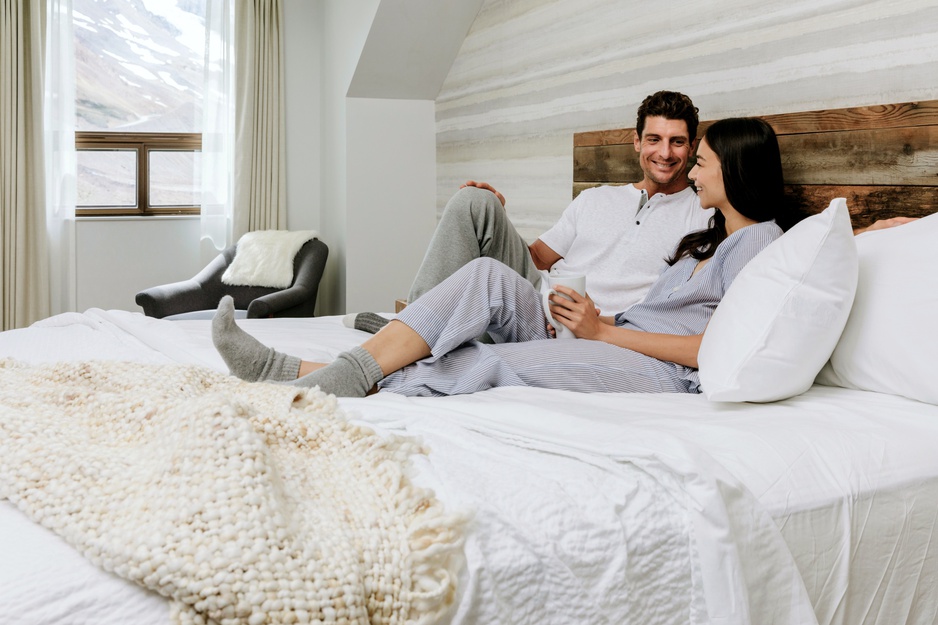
x=651 y=347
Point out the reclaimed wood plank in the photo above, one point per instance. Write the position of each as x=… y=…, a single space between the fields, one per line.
x=903 y=156
x=617 y=136
x=609 y=163
x=902 y=115
x=869 y=203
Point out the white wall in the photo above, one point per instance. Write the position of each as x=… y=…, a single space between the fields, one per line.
x=302 y=62
x=378 y=149
x=391 y=161
x=410 y=48
x=344 y=30
x=530 y=73
x=118 y=257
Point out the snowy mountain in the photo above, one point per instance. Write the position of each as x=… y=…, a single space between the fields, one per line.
x=139 y=65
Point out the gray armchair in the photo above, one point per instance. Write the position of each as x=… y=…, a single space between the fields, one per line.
x=203 y=291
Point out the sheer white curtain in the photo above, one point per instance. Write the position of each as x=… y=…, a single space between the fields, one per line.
x=218 y=118
x=60 y=158
x=243 y=141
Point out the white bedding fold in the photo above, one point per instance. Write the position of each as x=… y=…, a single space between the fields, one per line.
x=734 y=573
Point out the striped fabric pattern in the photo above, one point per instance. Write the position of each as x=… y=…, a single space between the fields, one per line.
x=486 y=295
x=681 y=302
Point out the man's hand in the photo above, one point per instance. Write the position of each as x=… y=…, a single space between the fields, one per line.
x=487 y=187
x=882 y=224
x=581 y=315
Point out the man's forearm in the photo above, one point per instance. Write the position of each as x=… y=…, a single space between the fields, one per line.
x=542 y=255
x=883 y=224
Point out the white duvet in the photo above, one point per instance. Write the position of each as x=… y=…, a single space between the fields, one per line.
x=585 y=508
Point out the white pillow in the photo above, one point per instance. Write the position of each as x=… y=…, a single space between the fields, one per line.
x=891 y=339
x=781 y=318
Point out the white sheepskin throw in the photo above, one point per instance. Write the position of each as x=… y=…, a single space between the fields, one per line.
x=241 y=503
x=265 y=258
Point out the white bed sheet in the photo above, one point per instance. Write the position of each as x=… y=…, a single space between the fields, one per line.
x=822 y=506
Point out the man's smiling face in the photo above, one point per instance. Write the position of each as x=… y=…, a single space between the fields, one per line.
x=663 y=150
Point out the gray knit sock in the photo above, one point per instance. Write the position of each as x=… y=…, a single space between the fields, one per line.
x=351 y=374
x=366 y=321
x=246 y=357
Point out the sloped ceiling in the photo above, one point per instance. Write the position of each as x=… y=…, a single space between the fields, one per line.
x=410 y=48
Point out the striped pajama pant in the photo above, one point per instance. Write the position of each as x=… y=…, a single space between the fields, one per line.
x=487 y=296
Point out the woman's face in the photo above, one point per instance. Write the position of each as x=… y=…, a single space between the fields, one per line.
x=707 y=175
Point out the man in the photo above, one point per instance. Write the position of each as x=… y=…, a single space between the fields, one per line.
x=618 y=236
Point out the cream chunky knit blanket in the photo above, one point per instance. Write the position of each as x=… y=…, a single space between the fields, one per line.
x=241 y=503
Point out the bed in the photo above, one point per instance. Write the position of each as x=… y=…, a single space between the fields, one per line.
x=802 y=487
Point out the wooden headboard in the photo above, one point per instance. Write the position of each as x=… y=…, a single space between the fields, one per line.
x=883 y=159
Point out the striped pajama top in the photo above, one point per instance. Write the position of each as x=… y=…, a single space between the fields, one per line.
x=681 y=302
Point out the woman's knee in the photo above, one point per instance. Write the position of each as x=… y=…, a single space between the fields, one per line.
x=482 y=270
x=492 y=274
x=487 y=266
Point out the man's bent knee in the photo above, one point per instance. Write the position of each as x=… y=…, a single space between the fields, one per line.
x=473 y=201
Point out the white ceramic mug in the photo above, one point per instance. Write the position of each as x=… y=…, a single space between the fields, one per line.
x=575 y=282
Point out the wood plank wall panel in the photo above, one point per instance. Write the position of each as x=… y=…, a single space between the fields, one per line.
x=903 y=115
x=867 y=204
x=531 y=73
x=907 y=156
x=882 y=158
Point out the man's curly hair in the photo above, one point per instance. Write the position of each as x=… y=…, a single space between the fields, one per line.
x=670 y=105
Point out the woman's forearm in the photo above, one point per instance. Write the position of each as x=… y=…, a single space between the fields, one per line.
x=582 y=317
x=682 y=350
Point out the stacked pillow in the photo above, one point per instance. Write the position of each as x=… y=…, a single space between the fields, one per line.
x=890 y=342
x=780 y=320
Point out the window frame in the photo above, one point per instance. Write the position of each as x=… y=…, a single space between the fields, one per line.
x=143 y=143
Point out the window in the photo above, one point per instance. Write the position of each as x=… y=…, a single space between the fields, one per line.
x=139 y=72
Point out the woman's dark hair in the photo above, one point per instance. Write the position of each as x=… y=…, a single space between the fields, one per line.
x=752 y=179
